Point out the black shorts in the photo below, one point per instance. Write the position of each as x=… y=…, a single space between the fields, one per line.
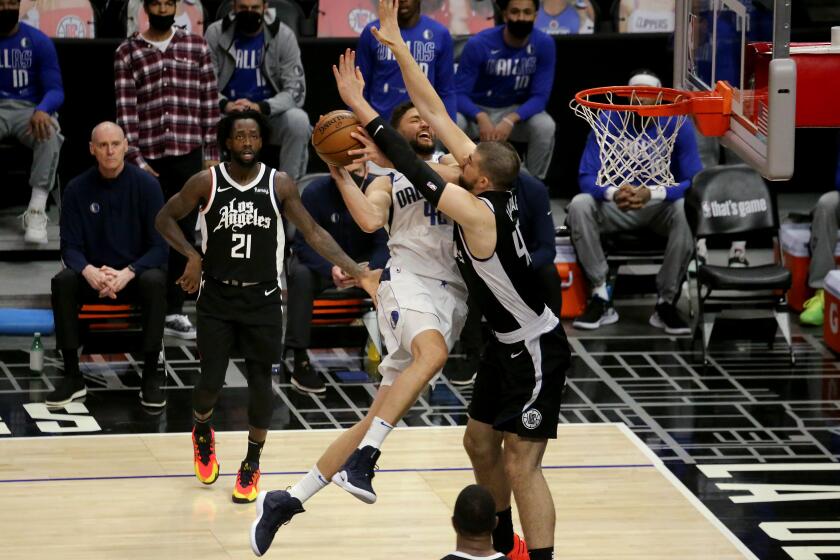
x=249 y=319
x=519 y=386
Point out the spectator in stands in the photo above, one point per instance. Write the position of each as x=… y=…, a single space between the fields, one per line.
x=537 y=228
x=30 y=94
x=566 y=17
x=474 y=519
x=309 y=274
x=112 y=253
x=168 y=105
x=504 y=81
x=602 y=209
x=259 y=68
x=431 y=45
x=824 y=225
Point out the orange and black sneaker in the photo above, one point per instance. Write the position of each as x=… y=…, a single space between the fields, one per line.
x=245 y=490
x=204 y=457
x=520 y=549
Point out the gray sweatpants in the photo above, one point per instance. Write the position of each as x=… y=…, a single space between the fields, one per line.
x=538 y=132
x=823 y=238
x=14 y=121
x=589 y=218
x=291 y=130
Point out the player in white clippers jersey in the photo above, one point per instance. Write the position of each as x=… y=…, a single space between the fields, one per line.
x=421 y=308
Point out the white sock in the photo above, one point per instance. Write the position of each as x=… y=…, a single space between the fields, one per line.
x=309 y=485
x=38 y=200
x=601 y=292
x=376 y=434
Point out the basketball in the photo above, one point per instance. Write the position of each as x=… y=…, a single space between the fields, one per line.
x=331 y=137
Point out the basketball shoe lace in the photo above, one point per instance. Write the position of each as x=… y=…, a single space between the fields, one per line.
x=245 y=475
x=204 y=448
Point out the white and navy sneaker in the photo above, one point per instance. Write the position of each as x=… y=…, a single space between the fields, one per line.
x=180 y=326
x=274 y=509
x=356 y=475
x=598 y=313
x=34 y=224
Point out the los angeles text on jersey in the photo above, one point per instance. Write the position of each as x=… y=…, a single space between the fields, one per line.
x=236 y=215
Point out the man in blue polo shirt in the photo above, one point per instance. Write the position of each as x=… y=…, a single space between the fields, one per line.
x=30 y=93
x=431 y=45
x=504 y=82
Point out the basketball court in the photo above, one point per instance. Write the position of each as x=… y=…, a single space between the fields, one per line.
x=136 y=497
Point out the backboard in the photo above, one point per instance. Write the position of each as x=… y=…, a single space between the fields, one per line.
x=745 y=43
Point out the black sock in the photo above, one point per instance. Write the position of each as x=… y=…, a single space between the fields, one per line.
x=202 y=427
x=71 y=362
x=301 y=356
x=503 y=533
x=150 y=363
x=541 y=553
x=254 y=451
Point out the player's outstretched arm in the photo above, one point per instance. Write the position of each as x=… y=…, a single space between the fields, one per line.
x=351 y=87
x=317 y=238
x=369 y=209
x=422 y=93
x=195 y=191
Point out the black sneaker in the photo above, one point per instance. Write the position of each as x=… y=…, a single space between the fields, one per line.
x=462 y=372
x=356 y=475
x=306 y=379
x=598 y=313
x=67 y=390
x=179 y=325
x=666 y=317
x=274 y=509
x=151 y=391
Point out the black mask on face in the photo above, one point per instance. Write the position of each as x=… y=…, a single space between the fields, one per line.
x=519 y=28
x=8 y=20
x=248 y=22
x=161 y=23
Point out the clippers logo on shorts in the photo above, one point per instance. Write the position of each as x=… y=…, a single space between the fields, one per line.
x=531 y=418
x=94 y=208
x=236 y=215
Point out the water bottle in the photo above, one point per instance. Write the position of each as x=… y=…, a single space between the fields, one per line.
x=36 y=354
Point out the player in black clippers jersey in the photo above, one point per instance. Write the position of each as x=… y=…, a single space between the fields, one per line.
x=518 y=388
x=241 y=202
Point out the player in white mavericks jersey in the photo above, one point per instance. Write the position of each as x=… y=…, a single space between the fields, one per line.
x=421 y=308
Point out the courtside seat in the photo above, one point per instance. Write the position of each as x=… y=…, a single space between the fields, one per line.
x=344 y=318
x=767 y=277
x=110 y=328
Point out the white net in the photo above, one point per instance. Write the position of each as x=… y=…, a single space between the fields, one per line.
x=635 y=149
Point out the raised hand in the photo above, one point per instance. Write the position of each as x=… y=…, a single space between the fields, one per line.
x=389 y=31
x=370 y=152
x=348 y=78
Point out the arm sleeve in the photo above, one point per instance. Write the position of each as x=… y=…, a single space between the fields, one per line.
x=306 y=254
x=445 y=76
x=543 y=80
x=72 y=232
x=466 y=77
x=126 y=99
x=685 y=161
x=590 y=163
x=399 y=151
x=209 y=105
x=291 y=75
x=539 y=231
x=157 y=251
x=50 y=75
x=380 y=255
x=365 y=60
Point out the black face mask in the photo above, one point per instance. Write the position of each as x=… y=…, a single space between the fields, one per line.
x=520 y=29
x=8 y=20
x=248 y=22
x=161 y=23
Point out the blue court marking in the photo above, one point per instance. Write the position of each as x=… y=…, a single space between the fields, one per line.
x=301 y=473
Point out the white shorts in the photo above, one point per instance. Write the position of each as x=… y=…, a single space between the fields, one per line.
x=408 y=305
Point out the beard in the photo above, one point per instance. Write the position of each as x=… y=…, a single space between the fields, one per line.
x=462 y=181
x=244 y=163
x=422 y=149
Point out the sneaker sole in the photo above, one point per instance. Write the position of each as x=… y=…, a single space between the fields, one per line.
x=603 y=321
x=260 y=500
x=306 y=389
x=36 y=240
x=178 y=334
x=238 y=500
x=463 y=382
x=363 y=495
x=77 y=395
x=159 y=404
x=655 y=321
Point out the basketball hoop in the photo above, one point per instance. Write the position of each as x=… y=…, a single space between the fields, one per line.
x=636 y=138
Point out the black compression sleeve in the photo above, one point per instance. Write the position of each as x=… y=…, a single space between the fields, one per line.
x=399 y=151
